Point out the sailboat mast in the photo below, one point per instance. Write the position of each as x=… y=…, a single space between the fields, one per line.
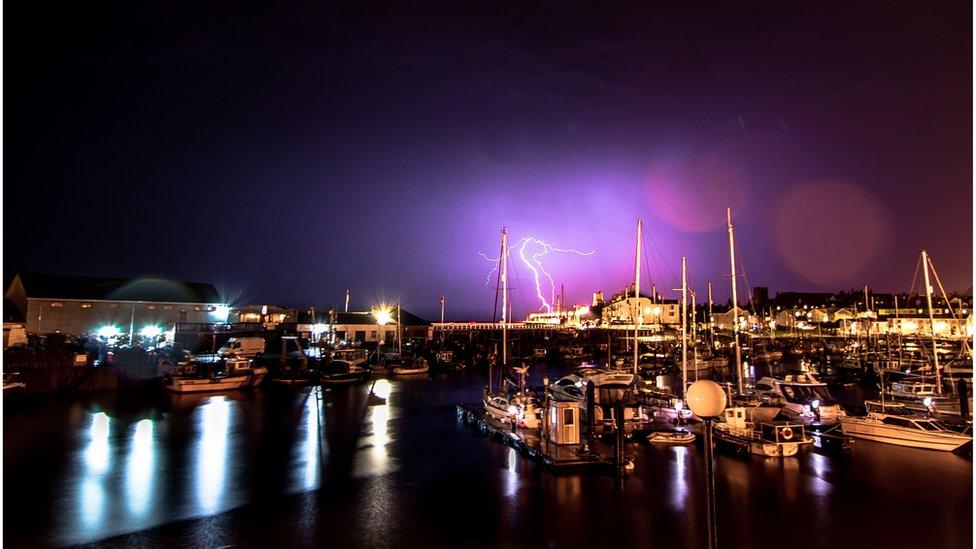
x=735 y=303
x=637 y=305
x=711 y=338
x=684 y=325
x=504 y=272
x=935 y=349
x=399 y=337
x=694 y=334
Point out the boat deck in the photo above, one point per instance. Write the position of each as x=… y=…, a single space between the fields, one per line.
x=558 y=457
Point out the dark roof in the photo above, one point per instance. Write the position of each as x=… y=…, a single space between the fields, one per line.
x=117 y=289
x=409 y=319
x=11 y=312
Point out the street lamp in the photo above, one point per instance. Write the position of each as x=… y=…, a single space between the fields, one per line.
x=707 y=401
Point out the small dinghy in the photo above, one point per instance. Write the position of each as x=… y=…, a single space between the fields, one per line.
x=671 y=437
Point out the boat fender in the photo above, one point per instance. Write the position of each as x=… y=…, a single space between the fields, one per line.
x=787 y=433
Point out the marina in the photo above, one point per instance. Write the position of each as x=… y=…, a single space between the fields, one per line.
x=488 y=275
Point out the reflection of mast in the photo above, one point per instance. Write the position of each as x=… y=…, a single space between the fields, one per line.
x=735 y=303
x=637 y=306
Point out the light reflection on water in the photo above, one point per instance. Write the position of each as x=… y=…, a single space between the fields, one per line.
x=212 y=453
x=311 y=445
x=680 y=493
x=511 y=474
x=139 y=471
x=377 y=434
x=91 y=504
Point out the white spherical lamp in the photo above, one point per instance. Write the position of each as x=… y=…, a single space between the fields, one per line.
x=706 y=398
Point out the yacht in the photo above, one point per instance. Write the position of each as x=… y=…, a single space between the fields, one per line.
x=894 y=423
x=802 y=398
x=770 y=439
x=923 y=397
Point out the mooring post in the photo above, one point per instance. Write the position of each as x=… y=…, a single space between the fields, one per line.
x=710 y=485
x=590 y=405
x=619 y=449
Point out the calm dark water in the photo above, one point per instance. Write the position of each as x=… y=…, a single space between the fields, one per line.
x=342 y=468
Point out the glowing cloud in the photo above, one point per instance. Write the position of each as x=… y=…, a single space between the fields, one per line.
x=531 y=251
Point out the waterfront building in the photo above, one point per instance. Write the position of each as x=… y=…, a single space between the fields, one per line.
x=378 y=326
x=112 y=308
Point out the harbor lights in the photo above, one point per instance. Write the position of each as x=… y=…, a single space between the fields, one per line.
x=383 y=316
x=707 y=401
x=108 y=332
x=151 y=331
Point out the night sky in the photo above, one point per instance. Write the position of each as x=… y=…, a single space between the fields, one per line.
x=288 y=151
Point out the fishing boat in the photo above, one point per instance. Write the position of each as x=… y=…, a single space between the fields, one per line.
x=923 y=397
x=355 y=356
x=342 y=372
x=671 y=437
x=894 y=423
x=445 y=359
x=231 y=373
x=411 y=366
x=801 y=397
x=769 y=439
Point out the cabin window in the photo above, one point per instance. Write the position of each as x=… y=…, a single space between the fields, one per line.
x=86 y=305
x=360 y=335
x=167 y=307
x=763 y=387
x=372 y=334
x=898 y=422
x=56 y=305
x=568 y=417
x=151 y=307
x=198 y=308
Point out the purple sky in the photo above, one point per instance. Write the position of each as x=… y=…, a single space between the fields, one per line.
x=289 y=153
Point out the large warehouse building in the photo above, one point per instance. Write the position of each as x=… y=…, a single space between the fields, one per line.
x=111 y=307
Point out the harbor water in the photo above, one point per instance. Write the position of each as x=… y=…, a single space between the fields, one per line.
x=395 y=467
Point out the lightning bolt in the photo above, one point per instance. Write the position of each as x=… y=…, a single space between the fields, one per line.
x=533 y=261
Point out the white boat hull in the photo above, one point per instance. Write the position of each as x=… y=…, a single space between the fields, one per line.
x=189 y=385
x=879 y=432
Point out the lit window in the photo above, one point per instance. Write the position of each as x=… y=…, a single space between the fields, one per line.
x=86 y=305
x=198 y=308
x=56 y=305
x=151 y=307
x=167 y=307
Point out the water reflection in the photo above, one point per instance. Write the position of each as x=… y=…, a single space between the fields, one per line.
x=91 y=504
x=311 y=446
x=96 y=454
x=680 y=492
x=378 y=434
x=139 y=472
x=212 y=453
x=511 y=474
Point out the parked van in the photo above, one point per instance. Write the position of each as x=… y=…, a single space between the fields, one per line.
x=242 y=346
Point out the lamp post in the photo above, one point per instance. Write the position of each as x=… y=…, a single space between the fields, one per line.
x=706 y=399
